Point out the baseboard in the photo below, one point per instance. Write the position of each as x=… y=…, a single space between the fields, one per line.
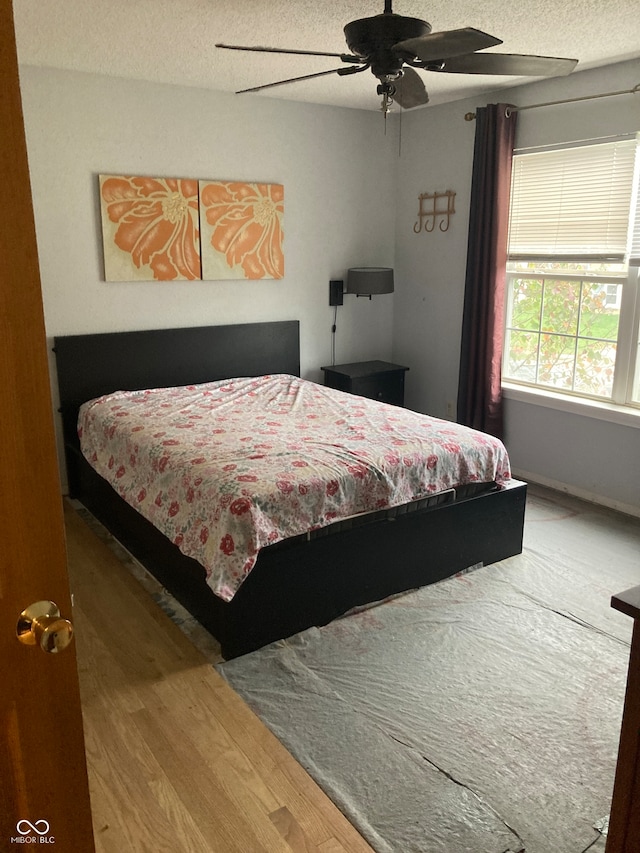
x=577 y=492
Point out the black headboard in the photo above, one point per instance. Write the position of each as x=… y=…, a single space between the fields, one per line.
x=91 y=365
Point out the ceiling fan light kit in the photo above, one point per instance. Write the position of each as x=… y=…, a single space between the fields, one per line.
x=391 y=46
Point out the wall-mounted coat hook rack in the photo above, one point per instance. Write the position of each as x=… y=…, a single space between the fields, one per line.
x=433 y=207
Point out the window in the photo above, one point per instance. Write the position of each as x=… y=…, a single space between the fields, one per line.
x=572 y=276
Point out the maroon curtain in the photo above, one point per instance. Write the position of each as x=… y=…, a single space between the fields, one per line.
x=479 y=387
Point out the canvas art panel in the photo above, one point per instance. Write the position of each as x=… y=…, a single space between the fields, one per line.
x=178 y=229
x=242 y=232
x=150 y=228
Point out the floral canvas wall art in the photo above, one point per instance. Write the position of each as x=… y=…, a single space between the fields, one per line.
x=150 y=228
x=241 y=227
x=172 y=229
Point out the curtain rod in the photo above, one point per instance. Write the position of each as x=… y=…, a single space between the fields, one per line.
x=510 y=108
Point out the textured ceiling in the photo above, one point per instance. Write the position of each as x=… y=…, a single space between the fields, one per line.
x=172 y=41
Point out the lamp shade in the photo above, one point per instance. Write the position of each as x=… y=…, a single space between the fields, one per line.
x=368 y=281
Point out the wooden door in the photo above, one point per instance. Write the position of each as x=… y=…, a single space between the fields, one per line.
x=44 y=795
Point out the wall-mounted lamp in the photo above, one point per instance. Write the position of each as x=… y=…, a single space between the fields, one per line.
x=362 y=281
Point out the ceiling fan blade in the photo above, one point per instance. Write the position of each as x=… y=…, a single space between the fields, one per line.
x=295 y=80
x=509 y=63
x=447 y=43
x=345 y=57
x=410 y=90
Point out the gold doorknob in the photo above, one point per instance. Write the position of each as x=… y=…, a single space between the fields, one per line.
x=41 y=624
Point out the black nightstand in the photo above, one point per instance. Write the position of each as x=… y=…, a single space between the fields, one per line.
x=379 y=380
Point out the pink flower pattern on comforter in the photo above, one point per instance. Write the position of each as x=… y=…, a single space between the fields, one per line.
x=226 y=468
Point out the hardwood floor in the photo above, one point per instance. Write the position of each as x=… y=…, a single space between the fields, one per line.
x=177 y=762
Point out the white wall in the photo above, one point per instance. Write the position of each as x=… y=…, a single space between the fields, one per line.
x=349 y=200
x=339 y=205
x=584 y=455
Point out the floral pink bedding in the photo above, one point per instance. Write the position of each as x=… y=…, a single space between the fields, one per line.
x=226 y=468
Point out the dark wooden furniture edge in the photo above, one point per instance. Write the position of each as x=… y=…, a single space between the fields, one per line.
x=624 y=822
x=628 y=602
x=300 y=583
x=379 y=380
x=89 y=366
x=364 y=368
x=297 y=584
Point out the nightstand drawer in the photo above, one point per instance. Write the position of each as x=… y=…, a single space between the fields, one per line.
x=378 y=380
x=388 y=388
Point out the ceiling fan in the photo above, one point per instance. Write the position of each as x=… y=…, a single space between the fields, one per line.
x=393 y=45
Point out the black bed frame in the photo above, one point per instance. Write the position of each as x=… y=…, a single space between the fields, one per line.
x=297 y=583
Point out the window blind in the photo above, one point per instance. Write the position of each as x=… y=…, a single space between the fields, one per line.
x=634 y=253
x=573 y=203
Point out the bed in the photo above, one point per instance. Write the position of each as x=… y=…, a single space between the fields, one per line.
x=295 y=577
